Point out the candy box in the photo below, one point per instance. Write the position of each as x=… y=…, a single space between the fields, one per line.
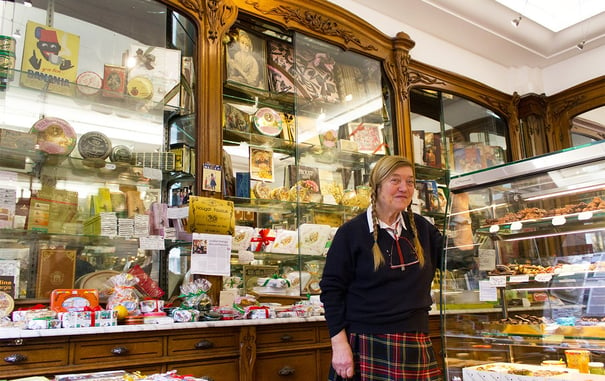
x=76 y=319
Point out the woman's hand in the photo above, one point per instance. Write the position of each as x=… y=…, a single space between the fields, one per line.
x=342 y=355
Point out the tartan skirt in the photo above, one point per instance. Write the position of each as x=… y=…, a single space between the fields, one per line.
x=392 y=357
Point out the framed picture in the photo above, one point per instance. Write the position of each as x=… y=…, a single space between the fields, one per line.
x=261 y=164
x=212 y=177
x=368 y=137
x=50 y=52
x=247 y=60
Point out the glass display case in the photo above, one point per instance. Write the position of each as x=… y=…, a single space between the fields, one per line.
x=451 y=135
x=301 y=131
x=96 y=104
x=523 y=279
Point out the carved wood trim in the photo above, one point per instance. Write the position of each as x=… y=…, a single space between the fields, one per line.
x=310 y=19
x=221 y=14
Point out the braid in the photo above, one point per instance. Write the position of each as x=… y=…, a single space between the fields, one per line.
x=376 y=252
x=417 y=244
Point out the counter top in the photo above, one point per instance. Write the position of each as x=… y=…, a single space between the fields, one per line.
x=17 y=333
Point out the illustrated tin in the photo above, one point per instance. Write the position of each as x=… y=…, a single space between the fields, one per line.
x=8 y=43
x=94 y=145
x=55 y=136
x=89 y=83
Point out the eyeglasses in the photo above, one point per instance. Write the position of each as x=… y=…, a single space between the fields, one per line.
x=413 y=254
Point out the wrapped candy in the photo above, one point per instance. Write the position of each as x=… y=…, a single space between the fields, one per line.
x=195 y=294
x=123 y=293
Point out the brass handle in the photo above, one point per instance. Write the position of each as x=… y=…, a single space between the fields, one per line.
x=286 y=337
x=119 y=351
x=286 y=371
x=15 y=358
x=204 y=344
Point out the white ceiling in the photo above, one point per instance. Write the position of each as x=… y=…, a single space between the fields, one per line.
x=484 y=27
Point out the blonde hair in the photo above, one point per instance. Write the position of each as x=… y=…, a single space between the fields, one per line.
x=383 y=168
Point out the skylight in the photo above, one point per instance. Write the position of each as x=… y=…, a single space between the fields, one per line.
x=556 y=15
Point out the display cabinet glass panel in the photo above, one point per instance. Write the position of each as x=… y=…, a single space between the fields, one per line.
x=523 y=265
x=96 y=101
x=300 y=134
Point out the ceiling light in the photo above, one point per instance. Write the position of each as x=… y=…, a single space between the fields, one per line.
x=516 y=21
x=581 y=44
x=27 y=3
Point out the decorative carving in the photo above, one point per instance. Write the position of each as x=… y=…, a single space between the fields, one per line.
x=220 y=14
x=416 y=77
x=495 y=104
x=400 y=67
x=195 y=6
x=314 y=21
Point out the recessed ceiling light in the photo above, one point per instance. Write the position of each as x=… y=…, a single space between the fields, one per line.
x=556 y=15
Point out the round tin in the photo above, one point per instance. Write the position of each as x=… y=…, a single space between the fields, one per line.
x=55 y=136
x=94 y=145
x=8 y=43
x=120 y=154
x=89 y=83
x=140 y=88
x=268 y=122
x=7 y=304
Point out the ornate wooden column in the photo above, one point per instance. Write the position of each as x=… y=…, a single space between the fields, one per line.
x=397 y=71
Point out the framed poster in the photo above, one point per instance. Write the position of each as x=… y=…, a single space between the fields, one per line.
x=368 y=137
x=246 y=60
x=261 y=164
x=50 y=58
x=212 y=177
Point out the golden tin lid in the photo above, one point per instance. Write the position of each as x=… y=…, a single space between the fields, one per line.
x=140 y=87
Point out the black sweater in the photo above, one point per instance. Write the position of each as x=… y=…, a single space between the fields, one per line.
x=362 y=300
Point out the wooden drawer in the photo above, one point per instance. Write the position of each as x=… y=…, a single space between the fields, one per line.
x=209 y=342
x=282 y=337
x=115 y=349
x=22 y=354
x=294 y=366
x=216 y=370
x=325 y=361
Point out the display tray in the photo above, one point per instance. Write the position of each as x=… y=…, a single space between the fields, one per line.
x=519 y=372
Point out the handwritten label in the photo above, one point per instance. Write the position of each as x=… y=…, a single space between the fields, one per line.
x=498 y=281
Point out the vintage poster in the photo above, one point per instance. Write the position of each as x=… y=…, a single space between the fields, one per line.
x=261 y=164
x=50 y=59
x=212 y=177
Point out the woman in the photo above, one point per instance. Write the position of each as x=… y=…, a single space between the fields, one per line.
x=376 y=284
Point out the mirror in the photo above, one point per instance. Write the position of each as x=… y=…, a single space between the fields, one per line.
x=588 y=127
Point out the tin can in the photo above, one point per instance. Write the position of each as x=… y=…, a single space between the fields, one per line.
x=7 y=64
x=8 y=43
x=578 y=359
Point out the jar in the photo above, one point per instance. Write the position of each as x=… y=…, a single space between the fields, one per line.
x=578 y=359
x=596 y=368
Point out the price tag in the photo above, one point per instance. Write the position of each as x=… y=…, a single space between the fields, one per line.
x=517 y=225
x=497 y=281
x=519 y=278
x=494 y=228
x=110 y=166
x=543 y=277
x=585 y=216
x=558 y=220
x=152 y=242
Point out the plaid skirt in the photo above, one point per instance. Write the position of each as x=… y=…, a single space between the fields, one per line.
x=392 y=357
